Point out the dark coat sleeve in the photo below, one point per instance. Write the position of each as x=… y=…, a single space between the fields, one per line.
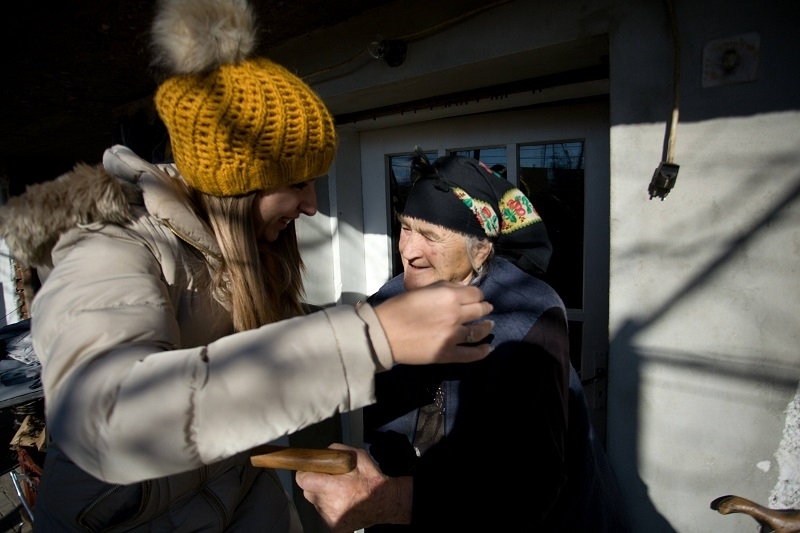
x=503 y=464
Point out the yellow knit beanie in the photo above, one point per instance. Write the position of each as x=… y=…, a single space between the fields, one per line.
x=236 y=124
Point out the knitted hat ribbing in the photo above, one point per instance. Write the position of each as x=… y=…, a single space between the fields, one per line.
x=236 y=124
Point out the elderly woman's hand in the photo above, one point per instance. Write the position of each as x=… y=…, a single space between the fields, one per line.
x=360 y=498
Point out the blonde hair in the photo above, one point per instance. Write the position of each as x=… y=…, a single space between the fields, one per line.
x=260 y=285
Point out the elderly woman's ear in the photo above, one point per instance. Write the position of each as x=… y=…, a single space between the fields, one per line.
x=481 y=252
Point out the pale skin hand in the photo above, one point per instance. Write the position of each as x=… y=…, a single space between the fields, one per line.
x=426 y=325
x=361 y=498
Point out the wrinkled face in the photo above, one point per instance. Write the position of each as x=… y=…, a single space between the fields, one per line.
x=431 y=253
x=274 y=209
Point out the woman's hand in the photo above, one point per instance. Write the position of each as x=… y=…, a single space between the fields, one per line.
x=428 y=325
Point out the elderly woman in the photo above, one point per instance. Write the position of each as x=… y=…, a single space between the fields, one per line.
x=501 y=444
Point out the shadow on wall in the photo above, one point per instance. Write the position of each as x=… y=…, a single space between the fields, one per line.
x=628 y=363
x=636 y=497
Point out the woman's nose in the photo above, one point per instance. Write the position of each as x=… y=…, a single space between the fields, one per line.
x=408 y=246
x=308 y=203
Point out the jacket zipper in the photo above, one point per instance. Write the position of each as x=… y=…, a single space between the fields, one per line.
x=213 y=499
x=146 y=489
x=191 y=243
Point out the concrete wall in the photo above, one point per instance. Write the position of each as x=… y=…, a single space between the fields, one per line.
x=704 y=289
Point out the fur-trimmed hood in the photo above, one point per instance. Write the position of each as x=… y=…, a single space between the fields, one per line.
x=31 y=223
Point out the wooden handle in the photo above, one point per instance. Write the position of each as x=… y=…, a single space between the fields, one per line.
x=326 y=461
x=777 y=520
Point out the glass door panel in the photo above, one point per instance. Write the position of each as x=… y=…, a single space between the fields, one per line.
x=494 y=158
x=551 y=175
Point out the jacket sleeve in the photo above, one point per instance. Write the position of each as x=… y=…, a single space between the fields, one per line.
x=127 y=401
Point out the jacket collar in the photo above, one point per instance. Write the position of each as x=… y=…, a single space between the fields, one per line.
x=160 y=200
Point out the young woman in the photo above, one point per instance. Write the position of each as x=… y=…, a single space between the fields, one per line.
x=170 y=323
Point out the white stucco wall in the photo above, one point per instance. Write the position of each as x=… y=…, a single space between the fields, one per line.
x=7 y=284
x=9 y=313
x=704 y=289
x=703 y=295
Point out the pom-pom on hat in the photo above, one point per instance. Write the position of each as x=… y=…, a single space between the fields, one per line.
x=464 y=195
x=236 y=123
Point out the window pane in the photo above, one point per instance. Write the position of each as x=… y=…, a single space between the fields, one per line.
x=567 y=155
x=551 y=174
x=488 y=156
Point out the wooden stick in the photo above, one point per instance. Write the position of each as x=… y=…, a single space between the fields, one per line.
x=324 y=460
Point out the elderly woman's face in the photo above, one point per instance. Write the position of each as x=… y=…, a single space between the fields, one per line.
x=432 y=253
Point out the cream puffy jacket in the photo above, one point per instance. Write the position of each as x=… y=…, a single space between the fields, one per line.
x=142 y=376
